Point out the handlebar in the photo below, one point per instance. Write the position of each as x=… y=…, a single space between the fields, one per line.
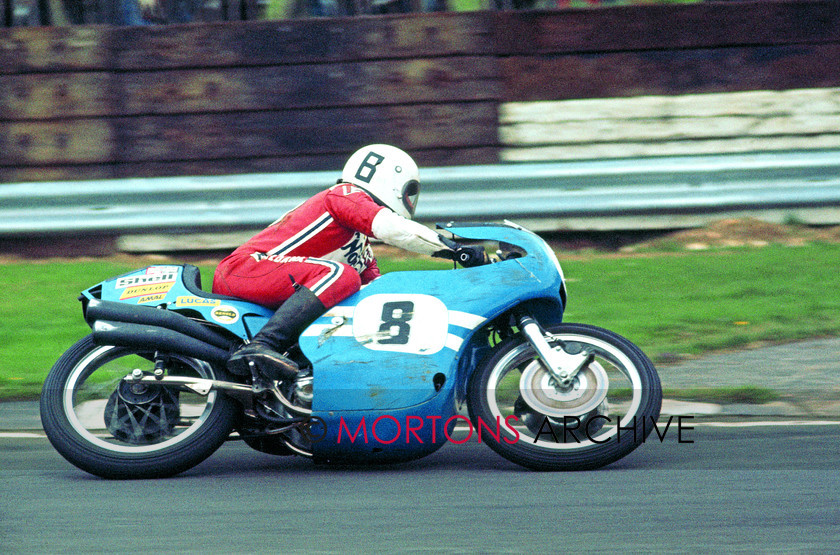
x=467 y=256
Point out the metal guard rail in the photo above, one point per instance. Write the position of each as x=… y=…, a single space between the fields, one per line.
x=672 y=185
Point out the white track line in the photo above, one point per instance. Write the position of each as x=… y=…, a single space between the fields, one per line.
x=464 y=428
x=768 y=423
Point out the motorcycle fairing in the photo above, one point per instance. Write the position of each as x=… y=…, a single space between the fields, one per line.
x=177 y=287
x=389 y=360
x=395 y=348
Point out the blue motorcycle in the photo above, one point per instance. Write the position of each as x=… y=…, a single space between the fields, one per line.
x=412 y=361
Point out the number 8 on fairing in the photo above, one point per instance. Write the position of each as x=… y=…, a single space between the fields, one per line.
x=369 y=163
x=401 y=323
x=396 y=315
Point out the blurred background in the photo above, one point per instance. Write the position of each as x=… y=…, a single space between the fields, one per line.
x=75 y=12
x=583 y=117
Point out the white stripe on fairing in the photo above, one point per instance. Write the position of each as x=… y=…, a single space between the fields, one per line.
x=453 y=342
x=456 y=318
x=301 y=236
x=465 y=319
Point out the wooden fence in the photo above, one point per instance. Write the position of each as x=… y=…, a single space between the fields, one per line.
x=239 y=97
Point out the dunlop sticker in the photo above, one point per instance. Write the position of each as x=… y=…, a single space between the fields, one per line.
x=225 y=314
x=143 y=290
x=196 y=301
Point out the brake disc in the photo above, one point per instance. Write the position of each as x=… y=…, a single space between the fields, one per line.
x=584 y=394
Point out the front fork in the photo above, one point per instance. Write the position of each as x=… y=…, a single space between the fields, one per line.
x=562 y=366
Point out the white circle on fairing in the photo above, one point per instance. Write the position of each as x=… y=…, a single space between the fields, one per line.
x=225 y=314
x=403 y=323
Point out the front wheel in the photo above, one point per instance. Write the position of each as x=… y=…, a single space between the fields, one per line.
x=114 y=427
x=605 y=413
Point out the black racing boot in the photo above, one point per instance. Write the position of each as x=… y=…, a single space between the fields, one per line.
x=278 y=334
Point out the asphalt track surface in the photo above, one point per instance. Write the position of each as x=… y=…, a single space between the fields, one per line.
x=749 y=487
x=730 y=485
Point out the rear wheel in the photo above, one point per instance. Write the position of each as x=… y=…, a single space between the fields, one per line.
x=115 y=427
x=605 y=413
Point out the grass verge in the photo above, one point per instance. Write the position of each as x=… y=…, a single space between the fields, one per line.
x=674 y=305
x=748 y=394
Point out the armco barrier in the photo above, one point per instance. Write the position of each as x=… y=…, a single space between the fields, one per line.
x=595 y=191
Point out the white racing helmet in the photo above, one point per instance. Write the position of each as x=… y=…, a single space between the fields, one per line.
x=388 y=174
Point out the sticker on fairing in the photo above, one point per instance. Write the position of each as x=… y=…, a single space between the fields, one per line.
x=196 y=301
x=147 y=279
x=402 y=323
x=144 y=290
x=225 y=314
x=162 y=269
x=151 y=298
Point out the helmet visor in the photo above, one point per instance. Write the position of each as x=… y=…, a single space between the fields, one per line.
x=411 y=192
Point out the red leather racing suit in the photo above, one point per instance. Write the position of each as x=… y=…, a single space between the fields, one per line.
x=323 y=244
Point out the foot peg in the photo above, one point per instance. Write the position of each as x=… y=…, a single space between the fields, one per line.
x=269 y=364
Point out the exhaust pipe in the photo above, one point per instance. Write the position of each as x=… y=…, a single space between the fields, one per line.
x=132 y=314
x=143 y=336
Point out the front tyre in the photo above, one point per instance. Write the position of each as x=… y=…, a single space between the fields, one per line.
x=113 y=428
x=607 y=411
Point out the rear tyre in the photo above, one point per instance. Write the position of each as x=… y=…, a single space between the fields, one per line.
x=607 y=412
x=114 y=428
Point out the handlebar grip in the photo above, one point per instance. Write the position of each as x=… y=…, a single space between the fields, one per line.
x=467 y=256
x=452 y=244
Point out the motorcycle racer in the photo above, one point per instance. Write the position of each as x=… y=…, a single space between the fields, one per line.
x=319 y=253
